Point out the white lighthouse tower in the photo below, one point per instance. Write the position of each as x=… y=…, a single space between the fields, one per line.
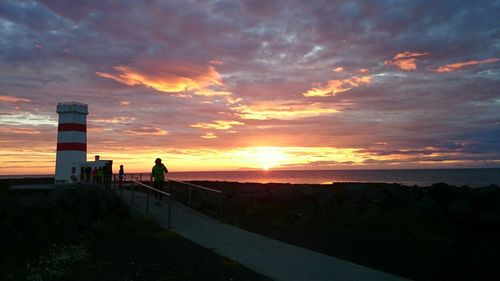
x=71 y=141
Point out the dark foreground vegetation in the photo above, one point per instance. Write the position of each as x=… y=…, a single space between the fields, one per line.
x=87 y=234
x=439 y=232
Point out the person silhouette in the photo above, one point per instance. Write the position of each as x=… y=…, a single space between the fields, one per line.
x=121 y=176
x=158 y=174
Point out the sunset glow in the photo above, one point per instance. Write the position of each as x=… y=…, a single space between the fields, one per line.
x=406 y=60
x=455 y=66
x=253 y=85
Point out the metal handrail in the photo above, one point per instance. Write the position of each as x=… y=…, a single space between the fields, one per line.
x=134 y=182
x=152 y=188
x=190 y=200
x=197 y=186
x=137 y=177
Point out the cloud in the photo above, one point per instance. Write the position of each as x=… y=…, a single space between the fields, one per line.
x=13 y=99
x=319 y=164
x=406 y=60
x=22 y=131
x=169 y=77
x=218 y=125
x=338 y=69
x=27 y=118
x=148 y=131
x=458 y=65
x=211 y=93
x=209 y=136
x=113 y=120
x=283 y=110
x=337 y=86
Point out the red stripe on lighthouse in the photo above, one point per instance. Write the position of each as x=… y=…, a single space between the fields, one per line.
x=71 y=146
x=72 y=127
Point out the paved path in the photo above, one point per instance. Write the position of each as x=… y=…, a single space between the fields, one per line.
x=274 y=259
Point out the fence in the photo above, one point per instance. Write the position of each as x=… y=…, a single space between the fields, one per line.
x=184 y=192
x=148 y=191
x=134 y=176
x=215 y=198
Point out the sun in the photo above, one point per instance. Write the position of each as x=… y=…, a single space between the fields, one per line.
x=262 y=157
x=268 y=157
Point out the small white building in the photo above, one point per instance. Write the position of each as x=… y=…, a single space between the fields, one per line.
x=87 y=168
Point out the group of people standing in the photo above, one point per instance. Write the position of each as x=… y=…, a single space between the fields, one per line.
x=104 y=176
x=97 y=175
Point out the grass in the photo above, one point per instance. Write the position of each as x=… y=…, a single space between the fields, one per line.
x=129 y=249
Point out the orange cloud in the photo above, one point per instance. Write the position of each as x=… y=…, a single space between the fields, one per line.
x=124 y=103
x=406 y=60
x=149 y=131
x=211 y=93
x=209 y=136
x=455 y=66
x=218 y=125
x=337 y=86
x=13 y=99
x=339 y=69
x=169 y=77
x=283 y=110
x=21 y=131
x=231 y=100
x=113 y=120
x=95 y=130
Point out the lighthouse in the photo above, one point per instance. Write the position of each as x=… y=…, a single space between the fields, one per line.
x=71 y=141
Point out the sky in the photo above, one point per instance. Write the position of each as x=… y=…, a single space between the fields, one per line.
x=232 y=85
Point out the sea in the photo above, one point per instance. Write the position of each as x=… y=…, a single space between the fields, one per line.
x=420 y=177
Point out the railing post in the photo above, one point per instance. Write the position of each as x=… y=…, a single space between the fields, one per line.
x=221 y=206
x=170 y=211
x=133 y=190
x=189 y=198
x=140 y=177
x=147 y=201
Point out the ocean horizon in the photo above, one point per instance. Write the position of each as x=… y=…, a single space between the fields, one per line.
x=473 y=177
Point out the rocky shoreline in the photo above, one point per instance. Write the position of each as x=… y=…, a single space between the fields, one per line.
x=439 y=232
x=460 y=205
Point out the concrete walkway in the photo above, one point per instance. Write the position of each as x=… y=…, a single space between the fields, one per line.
x=274 y=259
